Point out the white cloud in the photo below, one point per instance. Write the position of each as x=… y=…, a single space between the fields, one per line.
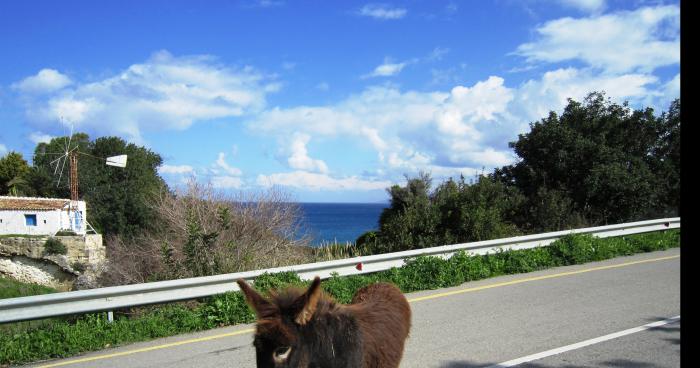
x=388 y=69
x=485 y=156
x=673 y=87
x=467 y=106
x=535 y=98
x=222 y=165
x=410 y=131
x=165 y=92
x=45 y=81
x=299 y=158
x=377 y=108
x=175 y=169
x=627 y=41
x=225 y=176
x=317 y=182
x=226 y=182
x=3 y=149
x=220 y=173
x=592 y=6
x=382 y=11
x=39 y=137
x=449 y=133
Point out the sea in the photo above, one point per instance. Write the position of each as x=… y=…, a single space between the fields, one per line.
x=339 y=222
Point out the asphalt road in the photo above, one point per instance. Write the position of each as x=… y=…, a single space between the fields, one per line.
x=490 y=322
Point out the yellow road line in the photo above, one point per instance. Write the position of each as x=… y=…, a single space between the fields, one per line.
x=190 y=341
x=413 y=300
x=520 y=281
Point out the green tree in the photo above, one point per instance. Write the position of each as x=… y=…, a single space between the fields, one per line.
x=600 y=161
x=117 y=198
x=667 y=162
x=454 y=212
x=411 y=219
x=13 y=167
x=48 y=158
x=39 y=182
x=480 y=210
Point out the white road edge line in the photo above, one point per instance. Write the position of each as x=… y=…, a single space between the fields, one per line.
x=582 y=344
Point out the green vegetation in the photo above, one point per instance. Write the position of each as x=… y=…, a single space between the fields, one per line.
x=63 y=337
x=54 y=246
x=203 y=232
x=78 y=266
x=13 y=289
x=65 y=233
x=13 y=171
x=598 y=163
x=117 y=198
x=456 y=211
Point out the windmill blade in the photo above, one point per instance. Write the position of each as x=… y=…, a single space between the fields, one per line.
x=63 y=155
x=60 y=174
x=118 y=161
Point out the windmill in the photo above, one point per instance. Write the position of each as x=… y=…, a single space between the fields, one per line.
x=70 y=154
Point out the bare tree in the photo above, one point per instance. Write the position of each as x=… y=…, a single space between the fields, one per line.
x=202 y=231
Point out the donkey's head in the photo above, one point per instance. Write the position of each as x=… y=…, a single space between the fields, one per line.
x=284 y=335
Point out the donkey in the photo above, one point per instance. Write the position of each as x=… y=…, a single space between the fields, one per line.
x=306 y=328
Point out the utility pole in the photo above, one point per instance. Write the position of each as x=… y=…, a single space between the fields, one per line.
x=74 y=206
x=74 y=176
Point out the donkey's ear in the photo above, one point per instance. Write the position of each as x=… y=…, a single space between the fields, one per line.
x=254 y=299
x=310 y=300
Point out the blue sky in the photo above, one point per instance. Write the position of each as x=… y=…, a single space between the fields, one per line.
x=333 y=101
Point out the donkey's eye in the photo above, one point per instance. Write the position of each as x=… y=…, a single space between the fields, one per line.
x=281 y=354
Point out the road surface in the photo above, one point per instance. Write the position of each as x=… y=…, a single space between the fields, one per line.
x=591 y=315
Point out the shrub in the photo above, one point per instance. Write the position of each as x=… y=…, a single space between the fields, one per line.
x=573 y=249
x=54 y=246
x=367 y=238
x=66 y=233
x=454 y=212
x=203 y=232
x=78 y=266
x=268 y=281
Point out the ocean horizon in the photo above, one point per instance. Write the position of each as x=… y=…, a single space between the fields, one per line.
x=339 y=222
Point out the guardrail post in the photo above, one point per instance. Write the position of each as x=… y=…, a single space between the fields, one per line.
x=110 y=316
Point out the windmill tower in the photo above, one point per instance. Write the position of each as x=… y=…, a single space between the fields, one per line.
x=70 y=154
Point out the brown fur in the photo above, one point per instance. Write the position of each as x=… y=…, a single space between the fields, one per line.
x=383 y=312
x=370 y=332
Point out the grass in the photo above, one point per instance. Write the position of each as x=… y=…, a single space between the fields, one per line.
x=13 y=289
x=64 y=337
x=328 y=251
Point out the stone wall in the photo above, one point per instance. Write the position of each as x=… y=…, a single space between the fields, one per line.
x=24 y=259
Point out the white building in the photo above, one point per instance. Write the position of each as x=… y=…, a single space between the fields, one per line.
x=41 y=216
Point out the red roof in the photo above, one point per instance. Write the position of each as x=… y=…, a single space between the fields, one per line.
x=27 y=203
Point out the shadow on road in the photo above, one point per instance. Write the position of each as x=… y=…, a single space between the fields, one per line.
x=617 y=363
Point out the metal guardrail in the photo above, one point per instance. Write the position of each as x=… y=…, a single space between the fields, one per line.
x=110 y=298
